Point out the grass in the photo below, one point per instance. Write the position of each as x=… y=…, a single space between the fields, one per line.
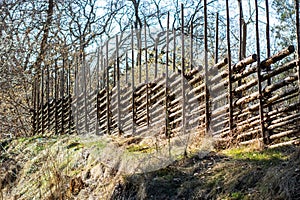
x=263 y=157
x=52 y=162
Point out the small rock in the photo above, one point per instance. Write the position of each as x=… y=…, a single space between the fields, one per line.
x=177 y=180
x=87 y=175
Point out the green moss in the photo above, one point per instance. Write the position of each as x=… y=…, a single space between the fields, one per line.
x=237 y=196
x=268 y=156
x=98 y=144
x=140 y=148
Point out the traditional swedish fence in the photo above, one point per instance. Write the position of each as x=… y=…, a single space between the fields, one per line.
x=134 y=92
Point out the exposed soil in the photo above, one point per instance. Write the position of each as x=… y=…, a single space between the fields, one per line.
x=73 y=167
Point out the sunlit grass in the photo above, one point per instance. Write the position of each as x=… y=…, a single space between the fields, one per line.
x=267 y=156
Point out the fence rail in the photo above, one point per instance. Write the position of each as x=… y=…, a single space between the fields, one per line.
x=241 y=102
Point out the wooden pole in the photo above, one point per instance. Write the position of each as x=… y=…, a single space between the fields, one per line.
x=217 y=39
x=107 y=91
x=38 y=106
x=240 y=30
x=62 y=85
x=268 y=32
x=269 y=80
x=126 y=68
x=98 y=88
x=102 y=69
x=34 y=106
x=48 y=97
x=207 y=116
x=147 y=76
x=261 y=114
x=114 y=84
x=167 y=78
x=76 y=91
x=191 y=45
x=56 y=97
x=132 y=82
x=183 y=73
x=174 y=49
x=118 y=85
x=298 y=42
x=140 y=54
x=69 y=98
x=85 y=91
x=42 y=100
x=230 y=100
x=156 y=57
x=98 y=68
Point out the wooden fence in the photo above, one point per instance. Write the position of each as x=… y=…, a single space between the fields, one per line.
x=241 y=102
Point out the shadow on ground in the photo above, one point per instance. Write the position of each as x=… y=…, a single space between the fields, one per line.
x=234 y=174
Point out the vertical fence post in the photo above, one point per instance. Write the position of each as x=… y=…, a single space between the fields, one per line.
x=139 y=39
x=38 y=106
x=229 y=69
x=98 y=68
x=147 y=75
x=48 y=98
x=174 y=49
x=167 y=78
x=132 y=82
x=103 y=69
x=261 y=109
x=118 y=85
x=69 y=99
x=42 y=101
x=191 y=45
x=107 y=91
x=114 y=74
x=183 y=73
x=62 y=89
x=97 y=91
x=56 y=97
x=206 y=71
x=269 y=80
x=298 y=42
x=76 y=92
x=85 y=95
x=268 y=32
x=156 y=57
x=240 y=31
x=34 y=110
x=217 y=39
x=126 y=68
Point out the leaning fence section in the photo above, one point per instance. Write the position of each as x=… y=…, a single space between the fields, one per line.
x=167 y=92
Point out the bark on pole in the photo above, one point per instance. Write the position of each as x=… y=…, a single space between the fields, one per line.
x=42 y=100
x=206 y=71
x=56 y=98
x=107 y=91
x=261 y=114
x=147 y=75
x=191 y=45
x=118 y=85
x=174 y=49
x=217 y=39
x=126 y=68
x=156 y=57
x=97 y=91
x=167 y=78
x=298 y=42
x=183 y=72
x=229 y=68
x=132 y=82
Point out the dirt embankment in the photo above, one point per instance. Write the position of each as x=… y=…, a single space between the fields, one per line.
x=76 y=167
